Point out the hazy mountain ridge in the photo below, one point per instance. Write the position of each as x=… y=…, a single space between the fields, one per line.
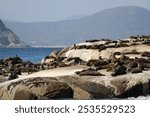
x=9 y=39
x=75 y=17
x=118 y=22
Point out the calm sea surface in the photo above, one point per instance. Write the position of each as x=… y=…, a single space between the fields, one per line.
x=34 y=55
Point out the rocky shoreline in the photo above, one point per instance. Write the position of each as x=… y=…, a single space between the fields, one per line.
x=95 y=69
x=13 y=66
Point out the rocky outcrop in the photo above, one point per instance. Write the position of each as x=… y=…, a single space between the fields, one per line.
x=36 y=88
x=133 y=87
x=77 y=87
x=99 y=87
x=105 y=48
x=10 y=39
x=92 y=90
x=119 y=57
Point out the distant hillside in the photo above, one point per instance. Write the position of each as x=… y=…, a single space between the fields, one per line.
x=115 y=23
x=9 y=39
x=75 y=17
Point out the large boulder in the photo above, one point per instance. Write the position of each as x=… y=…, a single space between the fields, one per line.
x=35 y=88
x=91 y=90
x=133 y=86
x=77 y=87
x=107 y=87
x=93 y=87
x=84 y=89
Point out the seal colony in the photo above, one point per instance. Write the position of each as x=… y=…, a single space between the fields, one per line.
x=94 y=69
x=119 y=57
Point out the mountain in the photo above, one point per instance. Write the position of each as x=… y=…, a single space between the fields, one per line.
x=115 y=23
x=75 y=17
x=9 y=39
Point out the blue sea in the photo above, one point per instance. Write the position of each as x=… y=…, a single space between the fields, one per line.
x=34 y=55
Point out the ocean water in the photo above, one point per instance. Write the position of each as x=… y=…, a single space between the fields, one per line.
x=34 y=55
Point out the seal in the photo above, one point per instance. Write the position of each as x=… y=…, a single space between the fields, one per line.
x=120 y=69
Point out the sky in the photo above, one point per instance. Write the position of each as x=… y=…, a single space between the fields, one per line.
x=55 y=10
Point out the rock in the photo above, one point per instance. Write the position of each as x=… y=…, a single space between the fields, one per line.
x=134 y=91
x=91 y=90
x=24 y=95
x=124 y=87
x=52 y=57
x=119 y=85
x=63 y=51
x=84 y=89
x=54 y=54
x=136 y=70
x=36 y=88
x=82 y=94
x=58 y=91
x=47 y=60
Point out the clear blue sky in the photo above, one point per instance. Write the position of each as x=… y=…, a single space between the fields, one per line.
x=54 y=10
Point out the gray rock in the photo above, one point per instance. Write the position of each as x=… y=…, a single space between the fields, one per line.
x=24 y=95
